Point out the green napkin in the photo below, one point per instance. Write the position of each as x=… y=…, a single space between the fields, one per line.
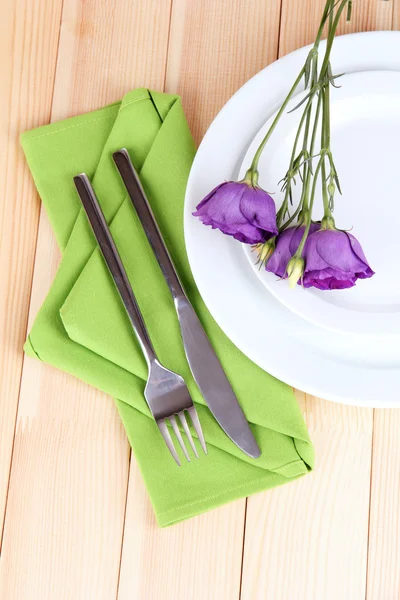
x=82 y=327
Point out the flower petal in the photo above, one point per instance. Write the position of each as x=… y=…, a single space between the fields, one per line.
x=279 y=260
x=286 y=245
x=207 y=198
x=333 y=248
x=328 y=279
x=259 y=209
x=358 y=251
x=248 y=234
x=221 y=209
x=222 y=205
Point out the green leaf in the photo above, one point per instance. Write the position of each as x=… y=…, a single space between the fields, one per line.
x=307 y=73
x=349 y=10
x=337 y=183
x=310 y=93
x=310 y=66
x=331 y=77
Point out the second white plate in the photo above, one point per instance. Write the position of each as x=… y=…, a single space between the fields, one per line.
x=345 y=367
x=365 y=117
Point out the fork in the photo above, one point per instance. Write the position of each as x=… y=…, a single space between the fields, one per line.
x=166 y=392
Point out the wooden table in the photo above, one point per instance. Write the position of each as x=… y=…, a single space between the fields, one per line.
x=77 y=521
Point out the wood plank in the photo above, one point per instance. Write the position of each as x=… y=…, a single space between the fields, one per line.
x=28 y=50
x=66 y=503
x=384 y=533
x=308 y=539
x=383 y=581
x=300 y=20
x=197 y=559
x=317 y=529
x=66 y=506
x=212 y=52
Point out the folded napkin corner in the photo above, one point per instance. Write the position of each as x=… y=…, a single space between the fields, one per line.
x=82 y=327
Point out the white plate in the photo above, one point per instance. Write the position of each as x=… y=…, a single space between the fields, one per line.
x=365 y=117
x=363 y=370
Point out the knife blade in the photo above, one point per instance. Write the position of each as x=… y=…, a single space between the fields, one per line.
x=204 y=364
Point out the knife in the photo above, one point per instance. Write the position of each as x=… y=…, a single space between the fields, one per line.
x=204 y=363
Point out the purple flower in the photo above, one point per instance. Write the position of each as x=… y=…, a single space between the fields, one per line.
x=287 y=243
x=243 y=211
x=334 y=260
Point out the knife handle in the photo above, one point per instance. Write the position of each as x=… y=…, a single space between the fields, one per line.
x=114 y=263
x=203 y=362
x=147 y=219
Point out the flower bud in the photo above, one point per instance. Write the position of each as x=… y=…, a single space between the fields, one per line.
x=241 y=210
x=295 y=270
x=265 y=251
x=331 y=189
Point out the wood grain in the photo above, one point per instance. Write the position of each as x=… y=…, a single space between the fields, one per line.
x=300 y=20
x=107 y=49
x=304 y=536
x=78 y=521
x=65 y=511
x=28 y=50
x=212 y=52
x=197 y=559
x=66 y=505
x=383 y=576
x=308 y=539
x=384 y=533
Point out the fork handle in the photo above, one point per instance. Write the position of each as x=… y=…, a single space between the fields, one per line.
x=114 y=263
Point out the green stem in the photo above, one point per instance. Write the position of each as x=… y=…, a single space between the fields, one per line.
x=255 y=161
x=328 y=13
x=324 y=99
x=325 y=144
x=331 y=36
x=319 y=166
x=282 y=211
x=323 y=103
x=306 y=134
x=320 y=86
x=307 y=182
x=315 y=129
x=305 y=115
x=327 y=116
x=330 y=22
x=290 y=219
x=300 y=249
x=300 y=127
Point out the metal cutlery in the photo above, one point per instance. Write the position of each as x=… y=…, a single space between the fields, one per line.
x=166 y=393
x=204 y=363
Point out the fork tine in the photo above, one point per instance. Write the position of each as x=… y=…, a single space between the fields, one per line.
x=185 y=426
x=196 y=424
x=178 y=434
x=168 y=440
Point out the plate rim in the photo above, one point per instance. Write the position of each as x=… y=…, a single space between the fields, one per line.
x=386 y=323
x=374 y=55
